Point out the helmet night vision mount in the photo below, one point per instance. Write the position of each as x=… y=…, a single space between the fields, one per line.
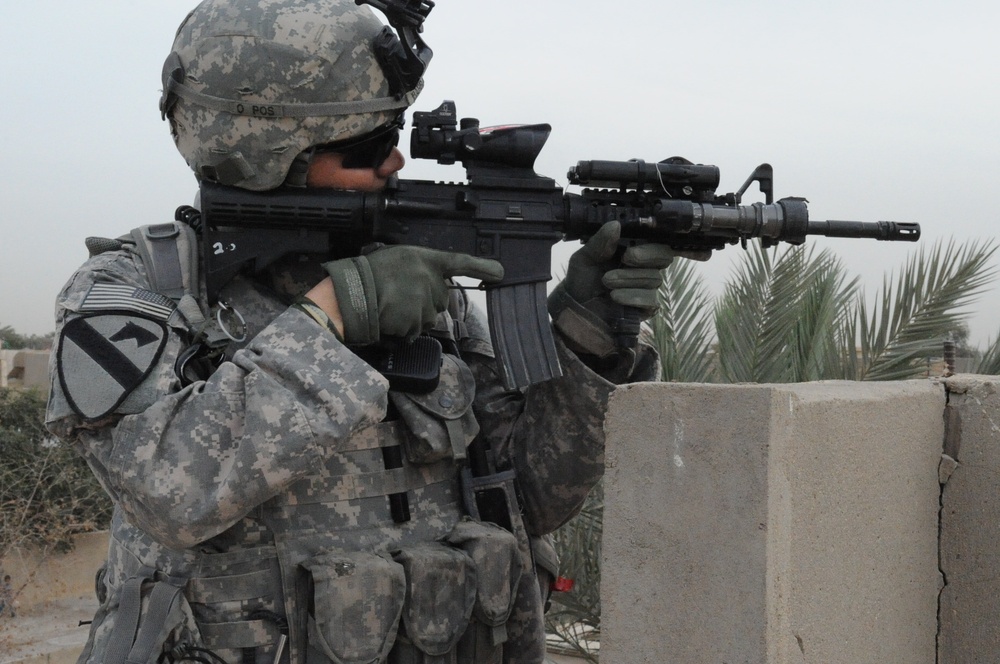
x=404 y=59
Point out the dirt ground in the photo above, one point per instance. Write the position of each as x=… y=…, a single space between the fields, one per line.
x=50 y=633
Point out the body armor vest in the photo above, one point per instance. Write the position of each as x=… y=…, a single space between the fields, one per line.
x=328 y=571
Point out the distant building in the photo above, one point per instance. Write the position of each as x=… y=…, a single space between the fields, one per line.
x=25 y=369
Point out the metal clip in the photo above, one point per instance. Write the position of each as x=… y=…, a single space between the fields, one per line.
x=232 y=316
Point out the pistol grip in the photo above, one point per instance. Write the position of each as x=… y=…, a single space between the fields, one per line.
x=626 y=328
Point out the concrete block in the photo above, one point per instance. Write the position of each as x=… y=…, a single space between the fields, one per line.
x=46 y=576
x=772 y=523
x=970 y=523
x=25 y=369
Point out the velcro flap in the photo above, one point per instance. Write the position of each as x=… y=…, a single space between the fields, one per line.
x=454 y=393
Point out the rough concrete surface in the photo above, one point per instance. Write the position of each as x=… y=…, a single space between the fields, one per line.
x=772 y=523
x=970 y=524
x=659 y=590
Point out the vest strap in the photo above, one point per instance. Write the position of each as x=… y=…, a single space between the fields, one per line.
x=237 y=635
x=156 y=624
x=127 y=618
x=316 y=491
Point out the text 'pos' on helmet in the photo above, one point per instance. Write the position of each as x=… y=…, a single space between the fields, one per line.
x=251 y=84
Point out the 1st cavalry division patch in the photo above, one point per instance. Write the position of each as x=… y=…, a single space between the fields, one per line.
x=104 y=356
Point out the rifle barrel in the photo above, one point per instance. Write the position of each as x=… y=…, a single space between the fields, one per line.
x=895 y=231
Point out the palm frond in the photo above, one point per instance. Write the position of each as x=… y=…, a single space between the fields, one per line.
x=682 y=328
x=740 y=313
x=989 y=363
x=778 y=317
x=823 y=304
x=914 y=316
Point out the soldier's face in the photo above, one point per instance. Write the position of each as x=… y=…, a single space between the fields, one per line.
x=326 y=170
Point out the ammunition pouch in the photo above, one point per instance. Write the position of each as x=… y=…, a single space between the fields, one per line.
x=441 y=423
x=423 y=603
x=440 y=596
x=356 y=603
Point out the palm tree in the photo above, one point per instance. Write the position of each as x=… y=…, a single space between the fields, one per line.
x=930 y=299
x=989 y=363
x=683 y=330
x=774 y=318
x=790 y=315
x=794 y=315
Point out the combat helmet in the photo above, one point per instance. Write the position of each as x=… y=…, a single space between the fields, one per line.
x=251 y=85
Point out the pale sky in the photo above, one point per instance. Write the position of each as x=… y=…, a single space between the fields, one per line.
x=875 y=110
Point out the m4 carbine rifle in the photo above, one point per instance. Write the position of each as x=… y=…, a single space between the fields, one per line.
x=509 y=213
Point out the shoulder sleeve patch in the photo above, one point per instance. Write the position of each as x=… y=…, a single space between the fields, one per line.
x=103 y=357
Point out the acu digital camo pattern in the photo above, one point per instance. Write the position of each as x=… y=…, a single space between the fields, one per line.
x=261 y=491
x=266 y=53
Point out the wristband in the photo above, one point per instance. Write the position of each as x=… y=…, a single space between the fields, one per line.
x=313 y=310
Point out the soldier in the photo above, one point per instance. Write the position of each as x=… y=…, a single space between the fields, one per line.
x=7 y=597
x=275 y=500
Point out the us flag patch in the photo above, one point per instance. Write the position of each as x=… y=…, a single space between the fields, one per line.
x=118 y=297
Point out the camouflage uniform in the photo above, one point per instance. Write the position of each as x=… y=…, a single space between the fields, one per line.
x=252 y=508
x=258 y=497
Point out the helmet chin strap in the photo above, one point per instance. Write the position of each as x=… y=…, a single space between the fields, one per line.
x=299 y=169
x=231 y=170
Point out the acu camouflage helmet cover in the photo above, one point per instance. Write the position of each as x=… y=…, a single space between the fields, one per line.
x=250 y=84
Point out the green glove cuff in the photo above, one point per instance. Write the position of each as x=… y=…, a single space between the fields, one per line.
x=356 y=295
x=584 y=331
x=586 y=334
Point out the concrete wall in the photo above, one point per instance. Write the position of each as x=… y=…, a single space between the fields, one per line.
x=45 y=577
x=778 y=524
x=759 y=524
x=25 y=368
x=970 y=522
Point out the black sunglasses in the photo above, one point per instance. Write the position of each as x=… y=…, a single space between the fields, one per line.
x=369 y=150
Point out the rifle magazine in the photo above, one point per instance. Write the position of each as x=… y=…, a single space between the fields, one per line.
x=522 y=335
